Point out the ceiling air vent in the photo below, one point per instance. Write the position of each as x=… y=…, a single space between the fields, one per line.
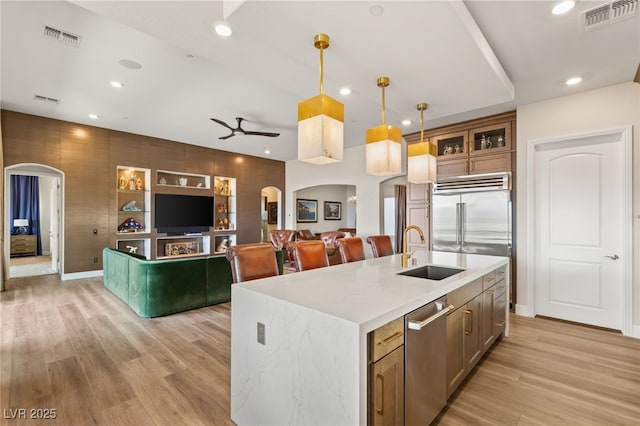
x=46 y=99
x=608 y=13
x=62 y=36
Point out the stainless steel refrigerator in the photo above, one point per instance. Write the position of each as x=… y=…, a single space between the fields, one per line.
x=472 y=214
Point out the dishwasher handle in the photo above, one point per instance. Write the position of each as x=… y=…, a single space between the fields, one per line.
x=418 y=325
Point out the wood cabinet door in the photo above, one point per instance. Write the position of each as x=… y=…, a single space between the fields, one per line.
x=493 y=138
x=418 y=199
x=451 y=168
x=490 y=163
x=387 y=390
x=499 y=313
x=455 y=345
x=472 y=332
x=488 y=318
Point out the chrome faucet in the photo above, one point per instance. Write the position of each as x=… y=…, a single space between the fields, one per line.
x=405 y=255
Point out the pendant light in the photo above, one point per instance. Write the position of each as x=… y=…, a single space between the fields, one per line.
x=320 y=122
x=421 y=156
x=383 y=144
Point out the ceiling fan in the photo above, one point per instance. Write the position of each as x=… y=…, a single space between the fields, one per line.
x=239 y=129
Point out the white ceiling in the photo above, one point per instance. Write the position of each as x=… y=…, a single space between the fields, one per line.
x=465 y=59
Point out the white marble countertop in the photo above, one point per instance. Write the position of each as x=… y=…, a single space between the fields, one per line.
x=369 y=293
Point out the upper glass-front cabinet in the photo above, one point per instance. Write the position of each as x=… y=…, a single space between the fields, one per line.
x=490 y=139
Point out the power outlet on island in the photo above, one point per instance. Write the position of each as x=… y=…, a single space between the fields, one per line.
x=261 y=333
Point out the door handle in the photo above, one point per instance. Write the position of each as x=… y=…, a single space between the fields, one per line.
x=418 y=325
x=380 y=410
x=613 y=257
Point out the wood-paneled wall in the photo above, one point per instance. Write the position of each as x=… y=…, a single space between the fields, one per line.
x=88 y=156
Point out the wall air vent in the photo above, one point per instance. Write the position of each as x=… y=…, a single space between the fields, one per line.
x=608 y=13
x=473 y=183
x=63 y=37
x=46 y=99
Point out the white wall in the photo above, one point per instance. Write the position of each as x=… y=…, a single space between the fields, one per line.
x=605 y=108
x=350 y=171
x=321 y=194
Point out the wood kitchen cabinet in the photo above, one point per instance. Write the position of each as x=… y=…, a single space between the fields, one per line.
x=485 y=145
x=386 y=374
x=464 y=333
x=418 y=201
x=387 y=390
x=493 y=306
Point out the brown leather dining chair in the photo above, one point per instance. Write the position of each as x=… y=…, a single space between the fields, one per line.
x=350 y=249
x=280 y=238
x=329 y=240
x=309 y=255
x=305 y=235
x=380 y=245
x=252 y=261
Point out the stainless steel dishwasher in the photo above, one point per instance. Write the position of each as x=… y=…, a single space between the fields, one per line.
x=425 y=381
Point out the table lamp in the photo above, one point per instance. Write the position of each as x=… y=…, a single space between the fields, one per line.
x=22 y=225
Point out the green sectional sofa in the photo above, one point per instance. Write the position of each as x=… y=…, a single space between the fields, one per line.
x=154 y=288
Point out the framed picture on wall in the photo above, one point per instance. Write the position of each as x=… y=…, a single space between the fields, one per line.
x=272 y=213
x=332 y=210
x=306 y=210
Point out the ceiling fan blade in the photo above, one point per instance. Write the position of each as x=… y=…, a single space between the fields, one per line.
x=222 y=123
x=269 y=134
x=227 y=137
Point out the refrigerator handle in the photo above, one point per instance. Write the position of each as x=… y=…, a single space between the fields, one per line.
x=463 y=214
x=457 y=223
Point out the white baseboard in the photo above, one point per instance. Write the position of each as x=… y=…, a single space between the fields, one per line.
x=523 y=310
x=78 y=275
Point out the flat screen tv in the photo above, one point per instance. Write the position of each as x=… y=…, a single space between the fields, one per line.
x=183 y=213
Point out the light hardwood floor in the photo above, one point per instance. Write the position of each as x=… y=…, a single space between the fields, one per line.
x=75 y=347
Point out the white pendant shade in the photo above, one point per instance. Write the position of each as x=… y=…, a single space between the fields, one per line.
x=320 y=130
x=421 y=164
x=384 y=151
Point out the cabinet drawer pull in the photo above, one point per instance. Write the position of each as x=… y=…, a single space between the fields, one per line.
x=390 y=338
x=469 y=314
x=381 y=409
x=500 y=324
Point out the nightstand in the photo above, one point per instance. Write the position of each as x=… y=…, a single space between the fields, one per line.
x=23 y=245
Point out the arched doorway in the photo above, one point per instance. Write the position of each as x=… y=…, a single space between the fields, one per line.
x=271 y=208
x=47 y=256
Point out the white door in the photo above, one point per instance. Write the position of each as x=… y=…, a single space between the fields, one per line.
x=54 y=233
x=580 y=225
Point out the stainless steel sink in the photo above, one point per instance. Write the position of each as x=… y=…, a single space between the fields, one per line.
x=431 y=272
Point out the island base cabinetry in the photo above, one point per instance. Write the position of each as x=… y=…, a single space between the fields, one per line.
x=478 y=319
x=386 y=374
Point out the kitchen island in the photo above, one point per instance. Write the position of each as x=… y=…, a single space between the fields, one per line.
x=299 y=341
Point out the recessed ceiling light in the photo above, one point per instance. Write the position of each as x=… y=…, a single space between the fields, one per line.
x=406 y=122
x=345 y=91
x=116 y=84
x=563 y=7
x=128 y=63
x=222 y=29
x=93 y=116
x=376 y=10
x=267 y=151
x=573 y=81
